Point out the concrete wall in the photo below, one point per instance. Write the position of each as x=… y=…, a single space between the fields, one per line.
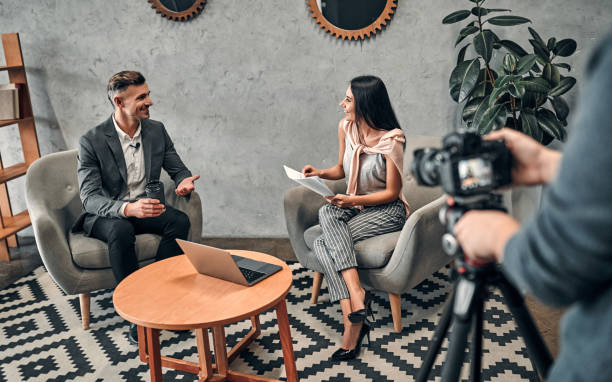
x=249 y=85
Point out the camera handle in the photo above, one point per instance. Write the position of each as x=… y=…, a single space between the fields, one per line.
x=465 y=306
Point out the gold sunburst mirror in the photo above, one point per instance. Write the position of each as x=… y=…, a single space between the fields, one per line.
x=352 y=19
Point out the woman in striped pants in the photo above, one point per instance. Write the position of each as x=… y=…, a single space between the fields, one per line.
x=371 y=146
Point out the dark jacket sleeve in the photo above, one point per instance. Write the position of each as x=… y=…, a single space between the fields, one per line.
x=172 y=163
x=565 y=253
x=95 y=200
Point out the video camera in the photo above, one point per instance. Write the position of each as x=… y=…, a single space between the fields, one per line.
x=465 y=166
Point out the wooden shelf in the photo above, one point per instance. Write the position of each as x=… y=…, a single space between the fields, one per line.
x=7 y=122
x=11 y=67
x=12 y=172
x=10 y=223
x=14 y=224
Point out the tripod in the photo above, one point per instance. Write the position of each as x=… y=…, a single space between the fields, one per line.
x=465 y=308
x=466 y=304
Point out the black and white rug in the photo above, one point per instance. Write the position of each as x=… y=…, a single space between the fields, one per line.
x=41 y=338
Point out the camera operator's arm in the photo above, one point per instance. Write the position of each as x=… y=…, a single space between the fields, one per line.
x=335 y=172
x=534 y=163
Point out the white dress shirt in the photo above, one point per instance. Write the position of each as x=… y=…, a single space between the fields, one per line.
x=134 y=161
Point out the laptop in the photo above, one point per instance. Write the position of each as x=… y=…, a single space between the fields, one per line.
x=223 y=265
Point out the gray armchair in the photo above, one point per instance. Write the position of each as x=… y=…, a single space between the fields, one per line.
x=394 y=262
x=80 y=264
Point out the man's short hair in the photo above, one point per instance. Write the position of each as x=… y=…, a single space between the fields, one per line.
x=120 y=81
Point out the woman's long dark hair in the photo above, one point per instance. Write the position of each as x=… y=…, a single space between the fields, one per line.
x=372 y=103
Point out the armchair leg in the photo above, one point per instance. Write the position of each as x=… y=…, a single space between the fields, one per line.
x=395 y=300
x=84 y=299
x=317 y=278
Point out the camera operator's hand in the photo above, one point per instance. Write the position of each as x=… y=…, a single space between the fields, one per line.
x=144 y=208
x=483 y=234
x=534 y=163
x=341 y=200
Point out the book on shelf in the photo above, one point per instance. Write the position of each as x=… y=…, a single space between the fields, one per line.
x=10 y=101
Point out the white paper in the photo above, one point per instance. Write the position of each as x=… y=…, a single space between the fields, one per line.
x=313 y=183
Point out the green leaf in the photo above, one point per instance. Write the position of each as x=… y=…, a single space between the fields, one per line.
x=470 y=29
x=483 y=43
x=497 y=92
x=564 y=66
x=536 y=36
x=470 y=108
x=525 y=64
x=502 y=81
x=565 y=48
x=483 y=88
x=540 y=49
x=529 y=122
x=513 y=48
x=480 y=110
x=454 y=92
x=456 y=17
x=465 y=75
x=551 y=73
x=508 y=20
x=561 y=108
x=498 y=10
x=461 y=55
x=536 y=85
x=478 y=11
x=492 y=118
x=516 y=90
x=510 y=63
x=549 y=123
x=551 y=43
x=564 y=86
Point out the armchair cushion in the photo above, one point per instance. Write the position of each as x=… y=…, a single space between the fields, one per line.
x=371 y=253
x=91 y=253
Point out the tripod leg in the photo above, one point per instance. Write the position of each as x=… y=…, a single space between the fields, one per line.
x=466 y=291
x=476 y=348
x=536 y=348
x=436 y=340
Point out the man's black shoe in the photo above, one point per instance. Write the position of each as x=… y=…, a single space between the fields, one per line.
x=133 y=334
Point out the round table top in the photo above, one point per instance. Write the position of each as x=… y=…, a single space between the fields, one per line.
x=171 y=294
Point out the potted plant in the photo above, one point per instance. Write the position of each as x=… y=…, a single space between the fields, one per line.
x=525 y=91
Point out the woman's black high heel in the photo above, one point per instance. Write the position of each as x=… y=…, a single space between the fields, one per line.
x=361 y=314
x=344 y=354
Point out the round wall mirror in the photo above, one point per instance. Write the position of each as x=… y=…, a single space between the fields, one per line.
x=352 y=19
x=178 y=10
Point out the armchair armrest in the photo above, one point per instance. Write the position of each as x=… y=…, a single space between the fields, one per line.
x=418 y=252
x=191 y=205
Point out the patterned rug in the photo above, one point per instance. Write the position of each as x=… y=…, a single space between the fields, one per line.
x=41 y=338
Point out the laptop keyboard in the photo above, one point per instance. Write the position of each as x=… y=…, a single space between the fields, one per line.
x=250 y=274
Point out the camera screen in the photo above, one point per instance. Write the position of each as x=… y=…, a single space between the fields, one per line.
x=475 y=173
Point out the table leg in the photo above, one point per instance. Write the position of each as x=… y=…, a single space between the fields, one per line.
x=282 y=317
x=142 y=343
x=220 y=350
x=203 y=344
x=154 y=354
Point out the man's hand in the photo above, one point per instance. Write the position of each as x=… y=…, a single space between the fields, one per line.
x=340 y=200
x=186 y=186
x=534 y=163
x=483 y=234
x=144 y=208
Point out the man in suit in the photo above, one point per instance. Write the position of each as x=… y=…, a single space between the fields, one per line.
x=116 y=160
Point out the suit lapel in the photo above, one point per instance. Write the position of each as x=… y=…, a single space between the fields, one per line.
x=147 y=147
x=112 y=139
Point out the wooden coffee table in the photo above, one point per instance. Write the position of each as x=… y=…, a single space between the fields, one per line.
x=171 y=294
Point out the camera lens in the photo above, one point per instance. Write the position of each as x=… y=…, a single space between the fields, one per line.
x=425 y=167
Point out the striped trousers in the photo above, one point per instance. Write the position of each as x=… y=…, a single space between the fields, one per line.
x=342 y=228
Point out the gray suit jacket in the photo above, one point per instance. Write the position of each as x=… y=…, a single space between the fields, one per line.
x=102 y=172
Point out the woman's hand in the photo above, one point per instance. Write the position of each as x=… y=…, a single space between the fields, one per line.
x=308 y=171
x=341 y=200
